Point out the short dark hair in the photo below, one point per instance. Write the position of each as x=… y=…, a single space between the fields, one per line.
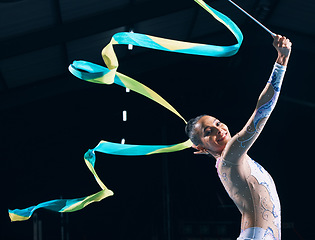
x=190 y=129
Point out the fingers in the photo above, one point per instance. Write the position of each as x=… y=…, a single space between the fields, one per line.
x=283 y=47
x=284 y=42
x=277 y=37
x=281 y=42
x=201 y=152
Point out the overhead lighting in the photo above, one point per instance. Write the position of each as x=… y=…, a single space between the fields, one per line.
x=125 y=116
x=130 y=46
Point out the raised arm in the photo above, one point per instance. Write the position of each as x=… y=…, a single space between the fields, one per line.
x=241 y=142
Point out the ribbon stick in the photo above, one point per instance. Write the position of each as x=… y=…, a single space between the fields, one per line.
x=255 y=20
x=108 y=75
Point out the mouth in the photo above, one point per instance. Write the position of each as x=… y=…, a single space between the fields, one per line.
x=224 y=135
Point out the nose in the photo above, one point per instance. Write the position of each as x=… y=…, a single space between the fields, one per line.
x=218 y=131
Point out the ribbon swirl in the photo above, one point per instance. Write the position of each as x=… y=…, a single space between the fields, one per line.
x=98 y=74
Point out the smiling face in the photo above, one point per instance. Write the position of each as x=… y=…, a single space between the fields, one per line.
x=213 y=135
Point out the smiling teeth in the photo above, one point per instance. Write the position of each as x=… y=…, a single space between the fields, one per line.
x=222 y=137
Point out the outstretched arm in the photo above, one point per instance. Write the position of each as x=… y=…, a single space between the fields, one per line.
x=241 y=142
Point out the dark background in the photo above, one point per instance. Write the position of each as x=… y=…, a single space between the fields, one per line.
x=49 y=118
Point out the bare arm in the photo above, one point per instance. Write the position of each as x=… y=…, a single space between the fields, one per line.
x=241 y=142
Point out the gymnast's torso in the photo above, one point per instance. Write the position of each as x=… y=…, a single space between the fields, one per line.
x=254 y=193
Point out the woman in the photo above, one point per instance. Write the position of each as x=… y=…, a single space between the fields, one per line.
x=248 y=184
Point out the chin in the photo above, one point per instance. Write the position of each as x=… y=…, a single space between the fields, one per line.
x=225 y=142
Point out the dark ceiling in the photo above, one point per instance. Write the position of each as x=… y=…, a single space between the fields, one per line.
x=49 y=118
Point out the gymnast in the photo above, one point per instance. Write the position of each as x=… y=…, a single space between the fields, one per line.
x=247 y=183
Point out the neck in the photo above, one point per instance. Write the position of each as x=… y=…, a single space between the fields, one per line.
x=215 y=155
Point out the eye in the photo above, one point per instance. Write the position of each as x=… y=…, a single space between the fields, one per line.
x=218 y=123
x=208 y=132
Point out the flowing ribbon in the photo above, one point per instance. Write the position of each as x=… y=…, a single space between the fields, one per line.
x=98 y=74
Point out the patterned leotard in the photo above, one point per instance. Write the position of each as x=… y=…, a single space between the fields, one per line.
x=253 y=191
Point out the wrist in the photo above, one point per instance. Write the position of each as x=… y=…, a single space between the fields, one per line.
x=283 y=59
